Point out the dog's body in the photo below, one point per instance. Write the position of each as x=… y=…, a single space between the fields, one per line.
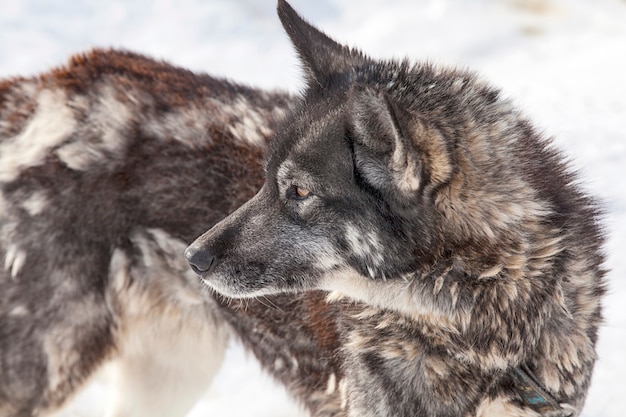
x=106 y=166
x=469 y=261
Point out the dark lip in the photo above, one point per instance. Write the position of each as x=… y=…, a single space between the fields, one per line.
x=196 y=271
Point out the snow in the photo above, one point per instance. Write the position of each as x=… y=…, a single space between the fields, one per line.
x=563 y=61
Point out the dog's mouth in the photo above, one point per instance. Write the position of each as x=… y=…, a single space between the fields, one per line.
x=227 y=279
x=230 y=287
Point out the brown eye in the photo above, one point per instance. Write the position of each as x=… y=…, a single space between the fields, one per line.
x=302 y=192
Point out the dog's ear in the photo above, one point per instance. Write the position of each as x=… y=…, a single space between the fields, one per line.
x=394 y=151
x=321 y=56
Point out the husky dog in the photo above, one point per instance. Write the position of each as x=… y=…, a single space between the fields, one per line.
x=109 y=167
x=464 y=261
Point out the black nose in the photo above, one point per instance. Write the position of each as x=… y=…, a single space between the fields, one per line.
x=201 y=261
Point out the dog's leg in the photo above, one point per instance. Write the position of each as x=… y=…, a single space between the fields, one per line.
x=45 y=363
x=165 y=366
x=55 y=326
x=170 y=340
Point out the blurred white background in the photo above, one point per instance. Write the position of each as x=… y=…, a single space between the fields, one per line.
x=564 y=61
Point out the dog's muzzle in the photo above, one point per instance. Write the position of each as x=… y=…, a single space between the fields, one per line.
x=201 y=261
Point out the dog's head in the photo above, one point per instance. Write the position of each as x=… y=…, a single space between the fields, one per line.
x=360 y=181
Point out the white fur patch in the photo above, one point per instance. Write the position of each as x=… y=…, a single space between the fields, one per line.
x=35 y=203
x=395 y=295
x=3 y=205
x=279 y=364
x=52 y=123
x=331 y=385
x=404 y=168
x=343 y=393
x=364 y=244
x=107 y=121
x=326 y=259
x=19 y=311
x=14 y=260
x=327 y=262
x=249 y=125
x=283 y=173
x=188 y=126
x=294 y=363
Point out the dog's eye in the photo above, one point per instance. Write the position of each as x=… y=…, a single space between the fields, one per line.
x=298 y=193
x=302 y=192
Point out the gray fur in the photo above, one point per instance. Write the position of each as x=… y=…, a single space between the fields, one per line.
x=421 y=194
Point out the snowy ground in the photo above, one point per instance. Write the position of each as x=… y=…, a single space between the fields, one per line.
x=564 y=61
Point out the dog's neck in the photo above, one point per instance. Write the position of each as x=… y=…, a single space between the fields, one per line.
x=403 y=296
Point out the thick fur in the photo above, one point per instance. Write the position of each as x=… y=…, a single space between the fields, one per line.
x=457 y=238
x=460 y=243
x=109 y=167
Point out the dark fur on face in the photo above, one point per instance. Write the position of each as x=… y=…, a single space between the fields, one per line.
x=424 y=194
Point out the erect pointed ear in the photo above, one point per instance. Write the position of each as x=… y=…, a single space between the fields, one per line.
x=394 y=151
x=321 y=56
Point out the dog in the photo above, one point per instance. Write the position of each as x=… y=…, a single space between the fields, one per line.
x=445 y=275
x=106 y=167
x=462 y=261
